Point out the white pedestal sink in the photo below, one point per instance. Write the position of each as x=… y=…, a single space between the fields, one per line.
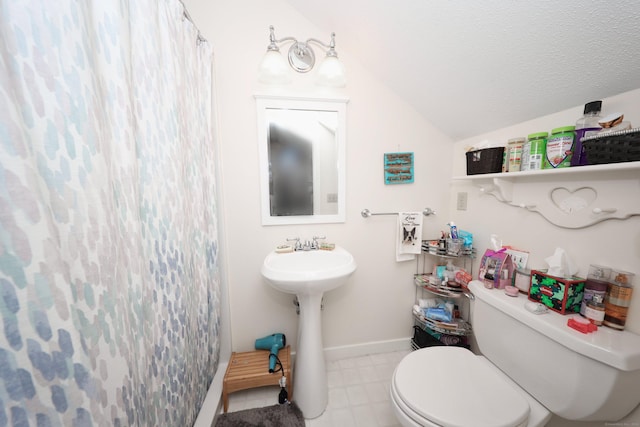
x=308 y=275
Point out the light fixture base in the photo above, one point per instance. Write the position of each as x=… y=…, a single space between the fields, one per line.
x=301 y=57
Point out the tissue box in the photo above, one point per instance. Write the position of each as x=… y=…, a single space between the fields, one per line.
x=557 y=293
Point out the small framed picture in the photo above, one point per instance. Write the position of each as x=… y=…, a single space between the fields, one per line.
x=398 y=168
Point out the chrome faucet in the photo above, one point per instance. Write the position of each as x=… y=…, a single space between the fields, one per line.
x=308 y=245
x=315 y=244
x=297 y=246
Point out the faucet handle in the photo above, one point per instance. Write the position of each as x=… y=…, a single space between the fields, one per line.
x=315 y=244
x=298 y=246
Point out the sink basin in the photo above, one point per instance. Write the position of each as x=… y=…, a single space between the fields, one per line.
x=306 y=272
x=308 y=275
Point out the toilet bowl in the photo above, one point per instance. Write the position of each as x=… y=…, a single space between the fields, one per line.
x=451 y=386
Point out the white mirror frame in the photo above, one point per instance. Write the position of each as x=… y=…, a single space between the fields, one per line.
x=265 y=102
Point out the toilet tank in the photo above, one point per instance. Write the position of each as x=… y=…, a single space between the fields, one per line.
x=586 y=377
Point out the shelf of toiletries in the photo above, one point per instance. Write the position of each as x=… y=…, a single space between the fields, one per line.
x=448 y=248
x=438 y=309
x=433 y=284
x=454 y=327
x=571 y=171
x=426 y=337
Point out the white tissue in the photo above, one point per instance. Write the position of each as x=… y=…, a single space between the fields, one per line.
x=560 y=265
x=496 y=242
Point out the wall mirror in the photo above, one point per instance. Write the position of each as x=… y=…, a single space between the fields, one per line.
x=302 y=159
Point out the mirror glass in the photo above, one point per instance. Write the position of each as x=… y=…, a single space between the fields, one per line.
x=302 y=156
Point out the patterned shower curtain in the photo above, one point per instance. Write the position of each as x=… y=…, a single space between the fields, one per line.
x=109 y=282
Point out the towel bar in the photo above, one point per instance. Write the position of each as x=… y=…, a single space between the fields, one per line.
x=366 y=213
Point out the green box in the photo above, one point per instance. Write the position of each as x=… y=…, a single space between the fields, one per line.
x=557 y=293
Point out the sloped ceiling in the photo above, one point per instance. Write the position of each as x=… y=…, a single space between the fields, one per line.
x=473 y=66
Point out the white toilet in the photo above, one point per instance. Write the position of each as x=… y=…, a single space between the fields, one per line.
x=533 y=366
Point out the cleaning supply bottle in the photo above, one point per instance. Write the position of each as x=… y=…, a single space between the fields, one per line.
x=453 y=230
x=585 y=126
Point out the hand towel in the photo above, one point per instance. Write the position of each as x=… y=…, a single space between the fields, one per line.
x=409 y=236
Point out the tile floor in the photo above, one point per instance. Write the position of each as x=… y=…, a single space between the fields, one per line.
x=358 y=393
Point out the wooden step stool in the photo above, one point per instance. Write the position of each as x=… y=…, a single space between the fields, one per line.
x=251 y=369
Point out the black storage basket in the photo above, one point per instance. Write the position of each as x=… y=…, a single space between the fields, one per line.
x=614 y=147
x=487 y=160
x=423 y=339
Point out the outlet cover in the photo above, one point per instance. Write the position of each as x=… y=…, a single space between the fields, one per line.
x=462 y=201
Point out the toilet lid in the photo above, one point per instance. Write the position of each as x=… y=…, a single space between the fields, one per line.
x=452 y=387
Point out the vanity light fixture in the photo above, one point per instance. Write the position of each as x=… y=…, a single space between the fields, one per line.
x=274 y=70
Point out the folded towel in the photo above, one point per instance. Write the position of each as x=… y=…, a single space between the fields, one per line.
x=409 y=237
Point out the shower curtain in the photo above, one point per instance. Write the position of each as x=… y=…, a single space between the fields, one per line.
x=109 y=281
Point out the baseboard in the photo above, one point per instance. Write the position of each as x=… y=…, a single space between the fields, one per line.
x=363 y=349
x=213 y=401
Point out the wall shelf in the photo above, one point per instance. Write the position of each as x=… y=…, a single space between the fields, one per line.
x=574 y=198
x=563 y=172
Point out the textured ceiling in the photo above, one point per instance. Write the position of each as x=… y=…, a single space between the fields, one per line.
x=473 y=66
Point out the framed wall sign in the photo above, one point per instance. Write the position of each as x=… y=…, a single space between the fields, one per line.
x=398 y=168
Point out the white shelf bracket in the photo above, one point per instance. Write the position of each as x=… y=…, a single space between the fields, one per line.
x=501 y=189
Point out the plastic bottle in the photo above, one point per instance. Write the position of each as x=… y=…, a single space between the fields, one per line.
x=560 y=148
x=536 y=148
x=454 y=230
x=585 y=126
x=515 y=154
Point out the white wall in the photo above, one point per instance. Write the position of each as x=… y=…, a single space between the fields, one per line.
x=375 y=305
x=611 y=243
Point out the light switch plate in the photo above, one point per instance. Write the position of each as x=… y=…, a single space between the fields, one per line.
x=462 y=201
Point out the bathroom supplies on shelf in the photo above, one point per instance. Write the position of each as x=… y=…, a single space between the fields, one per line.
x=487 y=160
x=522 y=279
x=585 y=126
x=433 y=284
x=438 y=297
x=618 y=299
x=613 y=147
x=492 y=265
x=283 y=249
x=596 y=284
